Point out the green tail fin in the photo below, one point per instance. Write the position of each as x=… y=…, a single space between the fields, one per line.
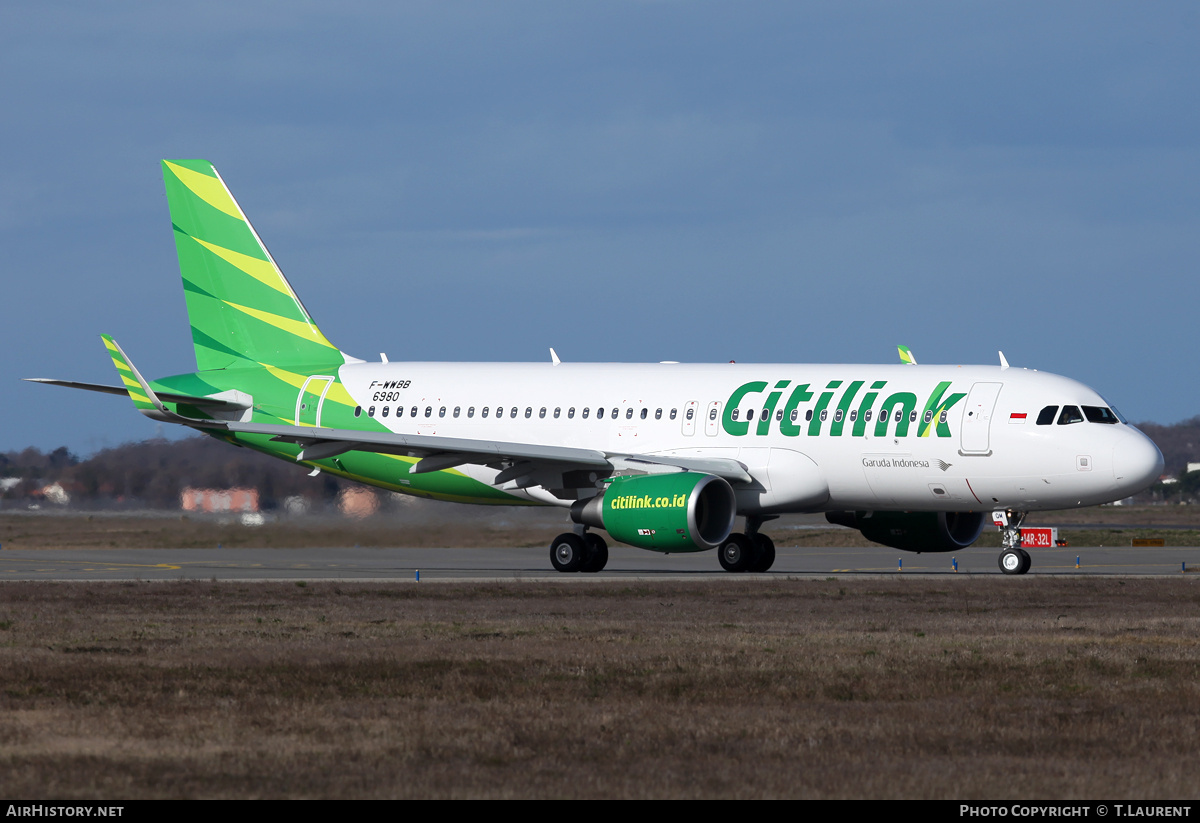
x=241 y=307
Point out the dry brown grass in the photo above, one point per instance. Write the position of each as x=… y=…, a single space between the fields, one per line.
x=470 y=527
x=901 y=687
x=455 y=526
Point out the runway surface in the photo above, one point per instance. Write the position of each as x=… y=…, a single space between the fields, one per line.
x=534 y=564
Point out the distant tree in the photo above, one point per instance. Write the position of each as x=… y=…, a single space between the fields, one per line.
x=1179 y=443
x=154 y=472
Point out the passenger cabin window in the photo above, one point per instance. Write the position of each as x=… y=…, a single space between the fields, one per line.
x=712 y=414
x=1070 y=414
x=614 y=413
x=442 y=411
x=399 y=411
x=585 y=412
x=528 y=412
x=385 y=411
x=750 y=414
x=658 y=414
x=690 y=413
x=457 y=409
x=371 y=412
x=542 y=413
x=672 y=414
x=557 y=412
x=795 y=415
x=644 y=413
x=429 y=411
x=1099 y=414
x=482 y=412
x=629 y=413
x=1046 y=416
x=470 y=412
x=413 y=412
x=808 y=415
x=513 y=413
x=571 y=413
x=358 y=411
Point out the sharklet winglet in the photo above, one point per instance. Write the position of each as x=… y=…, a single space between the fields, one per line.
x=147 y=394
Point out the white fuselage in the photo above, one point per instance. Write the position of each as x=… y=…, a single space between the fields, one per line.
x=954 y=438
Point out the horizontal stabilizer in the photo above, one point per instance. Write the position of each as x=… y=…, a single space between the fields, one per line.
x=170 y=397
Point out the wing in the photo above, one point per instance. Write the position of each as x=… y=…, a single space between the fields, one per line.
x=437 y=453
x=519 y=465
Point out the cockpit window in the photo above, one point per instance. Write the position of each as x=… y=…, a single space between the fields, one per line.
x=1099 y=414
x=1070 y=414
x=1116 y=411
x=1047 y=415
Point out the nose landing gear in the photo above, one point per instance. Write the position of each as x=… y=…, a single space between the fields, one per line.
x=1015 y=561
x=1013 y=558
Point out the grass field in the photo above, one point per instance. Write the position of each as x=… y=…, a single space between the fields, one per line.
x=905 y=687
x=455 y=526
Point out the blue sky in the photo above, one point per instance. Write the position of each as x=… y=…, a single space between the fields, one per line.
x=781 y=182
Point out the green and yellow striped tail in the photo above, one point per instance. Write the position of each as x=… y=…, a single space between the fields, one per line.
x=242 y=310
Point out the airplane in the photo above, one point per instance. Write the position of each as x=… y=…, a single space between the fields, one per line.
x=662 y=456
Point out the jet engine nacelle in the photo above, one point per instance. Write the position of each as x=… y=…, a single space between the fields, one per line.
x=677 y=512
x=915 y=531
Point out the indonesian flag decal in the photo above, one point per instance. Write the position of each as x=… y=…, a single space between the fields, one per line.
x=1017 y=417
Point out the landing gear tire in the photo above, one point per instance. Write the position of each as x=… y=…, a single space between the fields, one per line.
x=737 y=553
x=1026 y=561
x=597 y=553
x=1015 y=561
x=568 y=552
x=766 y=553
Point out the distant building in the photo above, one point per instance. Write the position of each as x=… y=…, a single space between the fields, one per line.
x=1194 y=467
x=219 y=500
x=55 y=493
x=358 y=502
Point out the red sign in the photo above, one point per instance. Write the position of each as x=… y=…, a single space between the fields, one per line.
x=1039 y=537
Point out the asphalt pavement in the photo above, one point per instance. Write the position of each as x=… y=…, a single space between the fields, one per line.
x=429 y=565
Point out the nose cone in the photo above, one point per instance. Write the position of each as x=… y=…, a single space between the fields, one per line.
x=1137 y=463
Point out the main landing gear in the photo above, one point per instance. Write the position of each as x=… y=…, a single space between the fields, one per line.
x=749 y=552
x=575 y=552
x=582 y=551
x=1013 y=558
